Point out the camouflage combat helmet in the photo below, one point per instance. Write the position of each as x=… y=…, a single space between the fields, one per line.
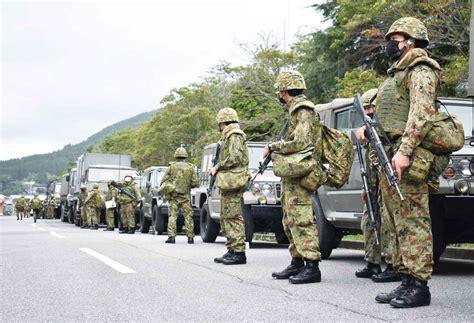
x=369 y=96
x=95 y=186
x=227 y=115
x=411 y=27
x=290 y=80
x=83 y=187
x=129 y=175
x=180 y=153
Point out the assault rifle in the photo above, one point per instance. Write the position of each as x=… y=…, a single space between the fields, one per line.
x=370 y=199
x=263 y=164
x=123 y=190
x=212 y=179
x=374 y=139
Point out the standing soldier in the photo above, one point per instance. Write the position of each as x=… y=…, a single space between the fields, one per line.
x=405 y=105
x=373 y=251
x=182 y=175
x=94 y=203
x=110 y=212
x=20 y=207
x=50 y=204
x=128 y=196
x=233 y=161
x=35 y=205
x=298 y=220
x=81 y=206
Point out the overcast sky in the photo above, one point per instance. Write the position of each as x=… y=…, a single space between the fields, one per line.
x=69 y=69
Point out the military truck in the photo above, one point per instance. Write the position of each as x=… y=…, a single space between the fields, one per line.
x=151 y=199
x=261 y=205
x=98 y=168
x=339 y=212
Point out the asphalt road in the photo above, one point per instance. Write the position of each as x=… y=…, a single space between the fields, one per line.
x=53 y=271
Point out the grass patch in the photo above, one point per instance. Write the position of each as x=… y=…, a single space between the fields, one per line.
x=353 y=237
x=462 y=245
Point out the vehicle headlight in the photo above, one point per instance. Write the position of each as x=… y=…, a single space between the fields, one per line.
x=256 y=189
x=464 y=167
x=267 y=189
x=462 y=186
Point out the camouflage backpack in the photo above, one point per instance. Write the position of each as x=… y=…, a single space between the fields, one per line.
x=100 y=200
x=337 y=151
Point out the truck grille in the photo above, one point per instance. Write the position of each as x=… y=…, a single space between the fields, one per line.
x=278 y=190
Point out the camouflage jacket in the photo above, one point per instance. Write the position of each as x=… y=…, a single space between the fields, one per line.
x=92 y=199
x=131 y=188
x=182 y=175
x=301 y=127
x=421 y=85
x=35 y=203
x=111 y=193
x=20 y=202
x=234 y=153
x=82 y=198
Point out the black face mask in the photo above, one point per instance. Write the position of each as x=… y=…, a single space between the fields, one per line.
x=281 y=100
x=371 y=115
x=393 y=51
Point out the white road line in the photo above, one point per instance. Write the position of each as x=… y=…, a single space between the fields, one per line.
x=41 y=229
x=106 y=260
x=33 y=224
x=57 y=235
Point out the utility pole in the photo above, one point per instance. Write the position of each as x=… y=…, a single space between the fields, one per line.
x=470 y=89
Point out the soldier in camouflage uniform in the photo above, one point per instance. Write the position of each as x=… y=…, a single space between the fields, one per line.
x=405 y=106
x=182 y=175
x=82 y=208
x=374 y=251
x=94 y=203
x=35 y=205
x=128 y=204
x=50 y=204
x=20 y=207
x=109 y=213
x=298 y=220
x=233 y=157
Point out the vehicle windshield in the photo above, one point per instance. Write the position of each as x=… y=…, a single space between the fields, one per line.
x=255 y=154
x=57 y=188
x=159 y=177
x=108 y=174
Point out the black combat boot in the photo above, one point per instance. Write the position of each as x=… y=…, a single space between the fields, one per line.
x=237 y=258
x=190 y=240
x=170 y=240
x=388 y=275
x=94 y=227
x=125 y=230
x=418 y=294
x=109 y=229
x=309 y=274
x=368 y=271
x=17 y=218
x=131 y=231
x=219 y=260
x=396 y=292
x=296 y=265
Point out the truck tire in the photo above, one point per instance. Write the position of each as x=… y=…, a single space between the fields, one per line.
x=71 y=215
x=144 y=222
x=63 y=215
x=159 y=220
x=248 y=221
x=437 y=226
x=327 y=232
x=209 y=228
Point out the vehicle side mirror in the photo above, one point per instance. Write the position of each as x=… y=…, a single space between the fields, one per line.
x=67 y=178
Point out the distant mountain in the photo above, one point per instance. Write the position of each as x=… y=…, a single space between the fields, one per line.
x=38 y=167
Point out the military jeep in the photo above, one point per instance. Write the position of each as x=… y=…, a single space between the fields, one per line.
x=339 y=212
x=260 y=204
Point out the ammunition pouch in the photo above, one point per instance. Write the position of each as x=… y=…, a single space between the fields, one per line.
x=293 y=165
x=420 y=165
x=232 y=180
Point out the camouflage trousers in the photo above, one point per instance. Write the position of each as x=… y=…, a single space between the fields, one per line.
x=110 y=218
x=408 y=225
x=127 y=211
x=175 y=203
x=36 y=214
x=93 y=215
x=298 y=220
x=84 y=217
x=20 y=213
x=232 y=222
x=374 y=252
x=50 y=213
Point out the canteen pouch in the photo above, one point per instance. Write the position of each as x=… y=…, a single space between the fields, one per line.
x=293 y=165
x=314 y=179
x=420 y=165
x=232 y=180
x=445 y=136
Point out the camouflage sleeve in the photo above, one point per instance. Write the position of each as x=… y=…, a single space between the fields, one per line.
x=302 y=136
x=166 y=176
x=236 y=153
x=89 y=197
x=422 y=83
